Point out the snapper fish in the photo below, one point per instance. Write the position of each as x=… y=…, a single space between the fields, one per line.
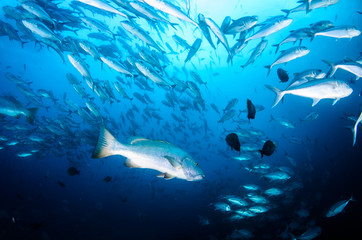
x=162 y=156
x=11 y=107
x=316 y=89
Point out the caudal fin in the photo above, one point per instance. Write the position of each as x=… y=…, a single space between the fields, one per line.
x=279 y=94
x=106 y=144
x=277 y=47
x=333 y=68
x=286 y=11
x=31 y=115
x=354 y=132
x=269 y=68
x=261 y=152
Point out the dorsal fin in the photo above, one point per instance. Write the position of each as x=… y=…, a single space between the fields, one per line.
x=130 y=164
x=134 y=140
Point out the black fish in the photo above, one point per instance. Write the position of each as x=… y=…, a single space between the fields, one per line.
x=268 y=148
x=72 y=171
x=61 y=184
x=107 y=179
x=251 y=109
x=283 y=75
x=233 y=141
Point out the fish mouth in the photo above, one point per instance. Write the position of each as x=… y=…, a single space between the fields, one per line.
x=198 y=177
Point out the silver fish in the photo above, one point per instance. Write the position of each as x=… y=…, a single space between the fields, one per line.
x=338 y=207
x=316 y=89
x=288 y=55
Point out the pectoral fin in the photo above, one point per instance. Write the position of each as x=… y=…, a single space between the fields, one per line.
x=335 y=100
x=166 y=176
x=173 y=162
x=315 y=101
x=131 y=164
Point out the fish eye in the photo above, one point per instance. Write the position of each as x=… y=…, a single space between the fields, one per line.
x=197 y=164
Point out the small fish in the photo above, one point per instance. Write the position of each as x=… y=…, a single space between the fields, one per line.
x=61 y=184
x=72 y=171
x=283 y=75
x=251 y=109
x=233 y=141
x=107 y=179
x=338 y=207
x=268 y=148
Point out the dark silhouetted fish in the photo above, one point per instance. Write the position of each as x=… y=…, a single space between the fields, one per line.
x=61 y=184
x=251 y=109
x=283 y=75
x=268 y=148
x=233 y=141
x=72 y=171
x=107 y=179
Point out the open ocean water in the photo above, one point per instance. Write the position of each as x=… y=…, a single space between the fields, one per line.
x=71 y=68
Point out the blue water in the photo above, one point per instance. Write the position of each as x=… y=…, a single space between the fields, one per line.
x=136 y=204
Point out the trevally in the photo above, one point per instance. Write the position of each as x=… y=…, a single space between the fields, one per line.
x=338 y=207
x=288 y=55
x=316 y=89
x=162 y=156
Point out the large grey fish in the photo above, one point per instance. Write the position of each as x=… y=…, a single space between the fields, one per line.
x=241 y=24
x=313 y=4
x=270 y=28
x=258 y=50
x=11 y=107
x=205 y=29
x=340 y=32
x=171 y=9
x=40 y=29
x=103 y=6
x=288 y=55
x=114 y=64
x=294 y=36
x=148 y=13
x=80 y=65
x=36 y=10
x=352 y=67
x=194 y=48
x=316 y=89
x=140 y=33
x=338 y=207
x=162 y=156
x=218 y=33
x=148 y=72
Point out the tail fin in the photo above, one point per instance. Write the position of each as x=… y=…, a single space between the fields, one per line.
x=333 y=68
x=277 y=46
x=261 y=152
x=269 y=68
x=286 y=11
x=354 y=132
x=31 y=115
x=279 y=94
x=106 y=144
